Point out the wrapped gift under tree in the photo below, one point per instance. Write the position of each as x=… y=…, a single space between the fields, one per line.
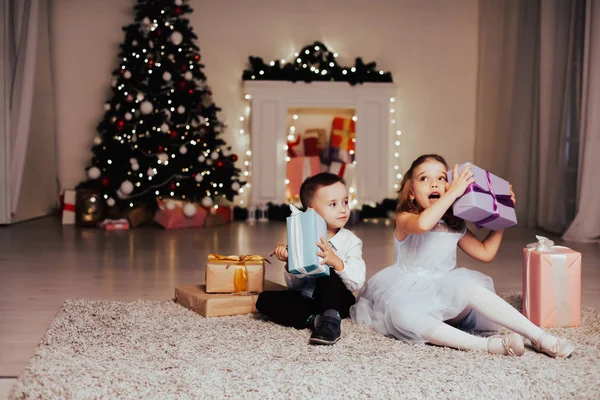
x=235 y=274
x=486 y=202
x=304 y=230
x=177 y=214
x=68 y=199
x=342 y=144
x=551 y=284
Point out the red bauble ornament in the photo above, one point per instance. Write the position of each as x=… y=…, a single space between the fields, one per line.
x=159 y=148
x=174 y=133
x=150 y=63
x=120 y=124
x=104 y=181
x=234 y=157
x=219 y=163
x=159 y=32
x=191 y=91
x=182 y=85
x=183 y=67
x=177 y=10
x=197 y=57
x=172 y=186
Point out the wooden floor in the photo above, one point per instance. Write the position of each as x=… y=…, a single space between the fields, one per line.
x=42 y=263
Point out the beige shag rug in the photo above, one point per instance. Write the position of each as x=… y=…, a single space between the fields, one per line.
x=160 y=350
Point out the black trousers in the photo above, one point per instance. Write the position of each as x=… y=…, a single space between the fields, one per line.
x=289 y=308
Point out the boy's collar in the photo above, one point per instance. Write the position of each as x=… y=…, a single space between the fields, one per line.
x=336 y=239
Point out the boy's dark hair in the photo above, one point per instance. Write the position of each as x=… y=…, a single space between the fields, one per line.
x=311 y=185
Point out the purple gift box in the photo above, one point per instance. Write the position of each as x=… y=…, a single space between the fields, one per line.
x=486 y=202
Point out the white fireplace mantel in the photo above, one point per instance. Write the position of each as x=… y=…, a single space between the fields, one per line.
x=270 y=102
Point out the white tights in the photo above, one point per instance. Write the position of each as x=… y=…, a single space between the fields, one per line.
x=496 y=310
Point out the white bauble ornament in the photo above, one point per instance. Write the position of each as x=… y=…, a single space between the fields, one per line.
x=126 y=187
x=171 y=57
x=170 y=205
x=128 y=116
x=135 y=167
x=167 y=76
x=183 y=149
x=150 y=172
x=146 y=107
x=199 y=178
x=134 y=43
x=176 y=38
x=163 y=157
x=117 y=107
x=146 y=21
x=181 y=109
x=133 y=161
x=188 y=75
x=97 y=140
x=202 y=120
x=127 y=75
x=167 y=113
x=235 y=186
x=134 y=138
x=178 y=2
x=214 y=155
x=164 y=127
x=140 y=96
x=194 y=123
x=94 y=173
x=110 y=201
x=189 y=210
x=201 y=158
x=120 y=194
x=209 y=162
x=107 y=106
x=207 y=202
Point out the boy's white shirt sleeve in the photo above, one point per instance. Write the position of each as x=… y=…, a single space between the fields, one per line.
x=348 y=247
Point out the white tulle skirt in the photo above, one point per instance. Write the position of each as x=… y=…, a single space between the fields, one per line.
x=409 y=305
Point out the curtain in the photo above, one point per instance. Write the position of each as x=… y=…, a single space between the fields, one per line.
x=529 y=88
x=586 y=225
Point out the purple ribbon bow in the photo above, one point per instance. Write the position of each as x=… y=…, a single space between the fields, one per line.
x=503 y=199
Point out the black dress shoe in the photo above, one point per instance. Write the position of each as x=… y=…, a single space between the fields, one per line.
x=328 y=328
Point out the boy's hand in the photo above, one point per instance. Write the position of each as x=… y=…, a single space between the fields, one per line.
x=512 y=196
x=281 y=252
x=328 y=255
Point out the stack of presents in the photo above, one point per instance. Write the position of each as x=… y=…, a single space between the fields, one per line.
x=233 y=284
x=551 y=274
x=315 y=151
x=85 y=207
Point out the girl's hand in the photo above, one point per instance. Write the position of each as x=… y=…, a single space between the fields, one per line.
x=512 y=196
x=328 y=255
x=461 y=181
x=280 y=252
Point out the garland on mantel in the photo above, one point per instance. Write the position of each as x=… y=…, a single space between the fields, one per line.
x=314 y=63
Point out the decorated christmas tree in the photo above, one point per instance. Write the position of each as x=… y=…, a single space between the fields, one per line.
x=160 y=134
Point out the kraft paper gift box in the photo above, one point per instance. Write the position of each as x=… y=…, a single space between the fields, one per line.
x=551 y=284
x=170 y=215
x=196 y=299
x=298 y=169
x=235 y=274
x=486 y=202
x=304 y=230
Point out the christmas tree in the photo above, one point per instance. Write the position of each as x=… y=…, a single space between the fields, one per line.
x=159 y=136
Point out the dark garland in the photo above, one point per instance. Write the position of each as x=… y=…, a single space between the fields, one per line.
x=314 y=63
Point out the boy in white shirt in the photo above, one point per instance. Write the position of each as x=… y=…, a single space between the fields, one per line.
x=320 y=304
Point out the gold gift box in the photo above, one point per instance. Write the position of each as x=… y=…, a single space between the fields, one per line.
x=196 y=299
x=235 y=274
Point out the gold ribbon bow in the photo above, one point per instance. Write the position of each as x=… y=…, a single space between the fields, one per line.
x=240 y=274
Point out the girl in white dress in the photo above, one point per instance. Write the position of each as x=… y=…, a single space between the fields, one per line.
x=424 y=297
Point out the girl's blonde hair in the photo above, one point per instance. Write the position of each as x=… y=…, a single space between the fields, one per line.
x=405 y=204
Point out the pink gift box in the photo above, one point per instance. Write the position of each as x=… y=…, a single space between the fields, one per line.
x=170 y=215
x=486 y=202
x=551 y=284
x=300 y=168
